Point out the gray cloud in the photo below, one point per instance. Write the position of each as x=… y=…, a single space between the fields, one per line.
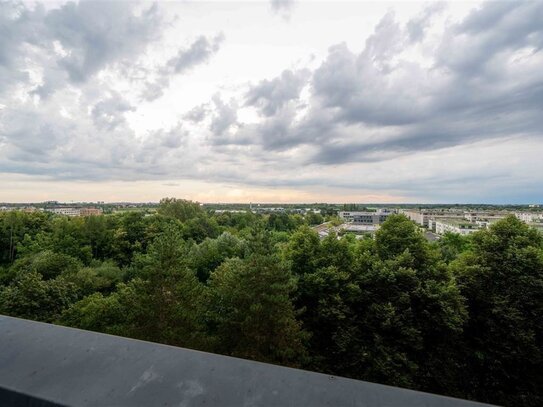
x=283 y=7
x=155 y=89
x=416 y=27
x=271 y=95
x=19 y=27
x=199 y=52
x=70 y=43
x=95 y=34
x=375 y=105
x=224 y=118
x=197 y=114
x=489 y=34
x=108 y=113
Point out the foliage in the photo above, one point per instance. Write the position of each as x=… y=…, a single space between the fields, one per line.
x=462 y=316
x=501 y=277
x=179 y=209
x=29 y=296
x=251 y=314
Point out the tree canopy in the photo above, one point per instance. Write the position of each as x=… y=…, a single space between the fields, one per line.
x=462 y=316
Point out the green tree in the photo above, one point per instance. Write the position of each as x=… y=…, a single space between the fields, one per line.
x=99 y=232
x=14 y=227
x=501 y=277
x=251 y=314
x=31 y=297
x=65 y=235
x=208 y=255
x=200 y=228
x=335 y=253
x=303 y=251
x=96 y=312
x=451 y=245
x=132 y=235
x=180 y=209
x=99 y=277
x=324 y=298
x=47 y=263
x=167 y=305
x=397 y=235
x=313 y=218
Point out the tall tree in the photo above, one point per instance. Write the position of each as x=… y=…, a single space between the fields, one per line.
x=502 y=280
x=169 y=295
x=251 y=314
x=303 y=251
x=180 y=209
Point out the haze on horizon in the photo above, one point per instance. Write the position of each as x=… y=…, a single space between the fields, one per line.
x=281 y=101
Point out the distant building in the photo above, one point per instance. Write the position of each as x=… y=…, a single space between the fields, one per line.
x=67 y=211
x=364 y=218
x=358 y=229
x=90 y=212
x=219 y=211
x=419 y=217
x=443 y=226
x=485 y=216
x=529 y=217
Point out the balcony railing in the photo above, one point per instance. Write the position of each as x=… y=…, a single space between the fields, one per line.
x=48 y=365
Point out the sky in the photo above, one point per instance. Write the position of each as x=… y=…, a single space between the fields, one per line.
x=271 y=101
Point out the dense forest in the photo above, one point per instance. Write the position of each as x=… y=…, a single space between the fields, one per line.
x=462 y=316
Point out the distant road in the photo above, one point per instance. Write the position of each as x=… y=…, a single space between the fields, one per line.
x=431 y=236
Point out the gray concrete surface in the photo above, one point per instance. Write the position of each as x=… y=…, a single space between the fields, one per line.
x=47 y=365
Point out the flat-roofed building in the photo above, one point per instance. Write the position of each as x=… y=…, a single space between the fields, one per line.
x=90 y=212
x=419 y=217
x=364 y=218
x=443 y=226
x=66 y=210
x=529 y=217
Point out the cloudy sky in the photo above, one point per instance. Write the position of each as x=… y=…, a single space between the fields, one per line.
x=283 y=101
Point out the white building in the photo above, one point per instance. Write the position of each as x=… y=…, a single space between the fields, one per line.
x=529 y=217
x=419 y=217
x=462 y=228
x=67 y=211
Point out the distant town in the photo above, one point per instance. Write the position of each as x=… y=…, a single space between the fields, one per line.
x=358 y=219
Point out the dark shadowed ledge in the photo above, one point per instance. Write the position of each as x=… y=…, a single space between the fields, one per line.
x=48 y=365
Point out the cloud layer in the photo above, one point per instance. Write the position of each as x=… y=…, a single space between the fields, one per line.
x=426 y=108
